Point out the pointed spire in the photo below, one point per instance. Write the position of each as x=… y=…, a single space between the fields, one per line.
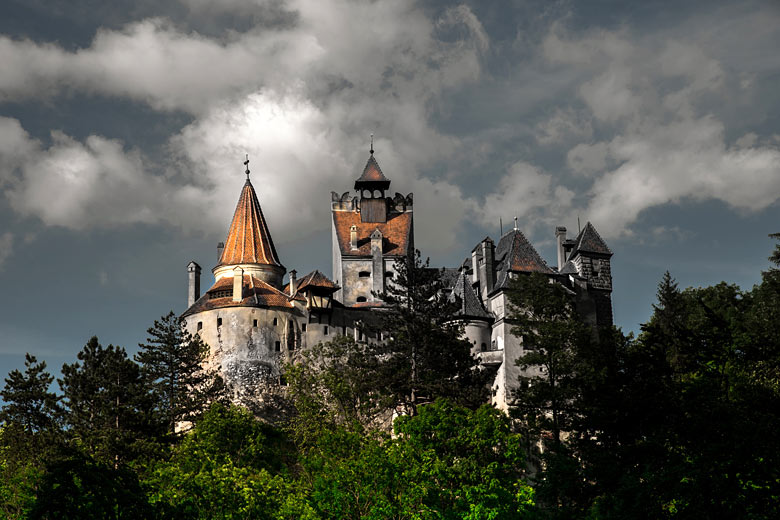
x=248 y=240
x=371 y=151
x=515 y=228
x=246 y=163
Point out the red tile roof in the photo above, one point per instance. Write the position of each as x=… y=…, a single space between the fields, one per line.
x=256 y=293
x=317 y=279
x=248 y=240
x=396 y=233
x=372 y=173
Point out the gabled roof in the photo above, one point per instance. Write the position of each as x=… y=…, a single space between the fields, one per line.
x=470 y=304
x=256 y=293
x=316 y=279
x=248 y=240
x=589 y=241
x=372 y=174
x=396 y=233
x=514 y=253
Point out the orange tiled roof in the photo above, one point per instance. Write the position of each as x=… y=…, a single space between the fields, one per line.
x=396 y=233
x=316 y=279
x=256 y=293
x=248 y=240
x=372 y=173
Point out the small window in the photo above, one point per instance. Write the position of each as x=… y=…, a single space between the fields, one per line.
x=389 y=274
x=364 y=274
x=276 y=322
x=303 y=327
x=325 y=330
x=254 y=323
x=219 y=322
x=484 y=347
x=278 y=346
x=361 y=299
x=200 y=325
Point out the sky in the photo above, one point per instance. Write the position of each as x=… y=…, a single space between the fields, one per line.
x=124 y=126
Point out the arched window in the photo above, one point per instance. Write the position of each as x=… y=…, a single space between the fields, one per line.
x=361 y=299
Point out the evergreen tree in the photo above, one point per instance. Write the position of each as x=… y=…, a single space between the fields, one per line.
x=425 y=356
x=28 y=402
x=107 y=403
x=172 y=364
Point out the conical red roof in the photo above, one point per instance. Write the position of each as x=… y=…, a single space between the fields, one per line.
x=248 y=240
x=372 y=176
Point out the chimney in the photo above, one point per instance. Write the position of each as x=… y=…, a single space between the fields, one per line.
x=353 y=237
x=488 y=273
x=220 y=248
x=293 y=282
x=560 y=237
x=193 y=269
x=238 y=284
x=474 y=267
x=377 y=263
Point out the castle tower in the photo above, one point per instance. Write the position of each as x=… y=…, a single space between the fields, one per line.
x=250 y=325
x=591 y=257
x=248 y=244
x=370 y=232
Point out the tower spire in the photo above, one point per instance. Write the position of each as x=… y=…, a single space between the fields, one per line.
x=246 y=163
x=372 y=145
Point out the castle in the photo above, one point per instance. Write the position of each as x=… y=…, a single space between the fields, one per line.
x=253 y=322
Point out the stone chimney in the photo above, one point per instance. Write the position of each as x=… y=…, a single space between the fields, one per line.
x=377 y=263
x=474 y=267
x=560 y=237
x=220 y=248
x=353 y=237
x=193 y=269
x=293 y=282
x=487 y=269
x=238 y=284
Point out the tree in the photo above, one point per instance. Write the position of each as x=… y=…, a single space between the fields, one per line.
x=229 y=466
x=172 y=364
x=425 y=356
x=28 y=436
x=544 y=317
x=107 y=404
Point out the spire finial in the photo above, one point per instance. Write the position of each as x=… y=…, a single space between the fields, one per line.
x=246 y=163
x=515 y=223
x=372 y=145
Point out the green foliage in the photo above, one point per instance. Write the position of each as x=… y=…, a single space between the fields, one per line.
x=107 y=404
x=335 y=383
x=28 y=403
x=229 y=466
x=172 y=365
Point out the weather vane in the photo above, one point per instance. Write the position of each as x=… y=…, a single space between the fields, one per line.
x=372 y=145
x=246 y=163
x=515 y=223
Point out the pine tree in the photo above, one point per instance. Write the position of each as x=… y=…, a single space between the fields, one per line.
x=425 y=357
x=28 y=402
x=107 y=403
x=172 y=364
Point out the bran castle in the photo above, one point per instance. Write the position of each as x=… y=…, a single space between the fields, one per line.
x=253 y=322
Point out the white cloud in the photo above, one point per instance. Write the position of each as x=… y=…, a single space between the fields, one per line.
x=588 y=159
x=562 y=125
x=530 y=195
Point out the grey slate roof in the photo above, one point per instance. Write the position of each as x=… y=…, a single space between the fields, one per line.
x=515 y=253
x=589 y=241
x=470 y=304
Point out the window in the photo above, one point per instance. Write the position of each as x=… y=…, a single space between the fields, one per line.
x=254 y=323
x=278 y=346
x=325 y=330
x=484 y=347
x=389 y=274
x=219 y=322
x=364 y=274
x=276 y=322
x=200 y=325
x=361 y=299
x=303 y=327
